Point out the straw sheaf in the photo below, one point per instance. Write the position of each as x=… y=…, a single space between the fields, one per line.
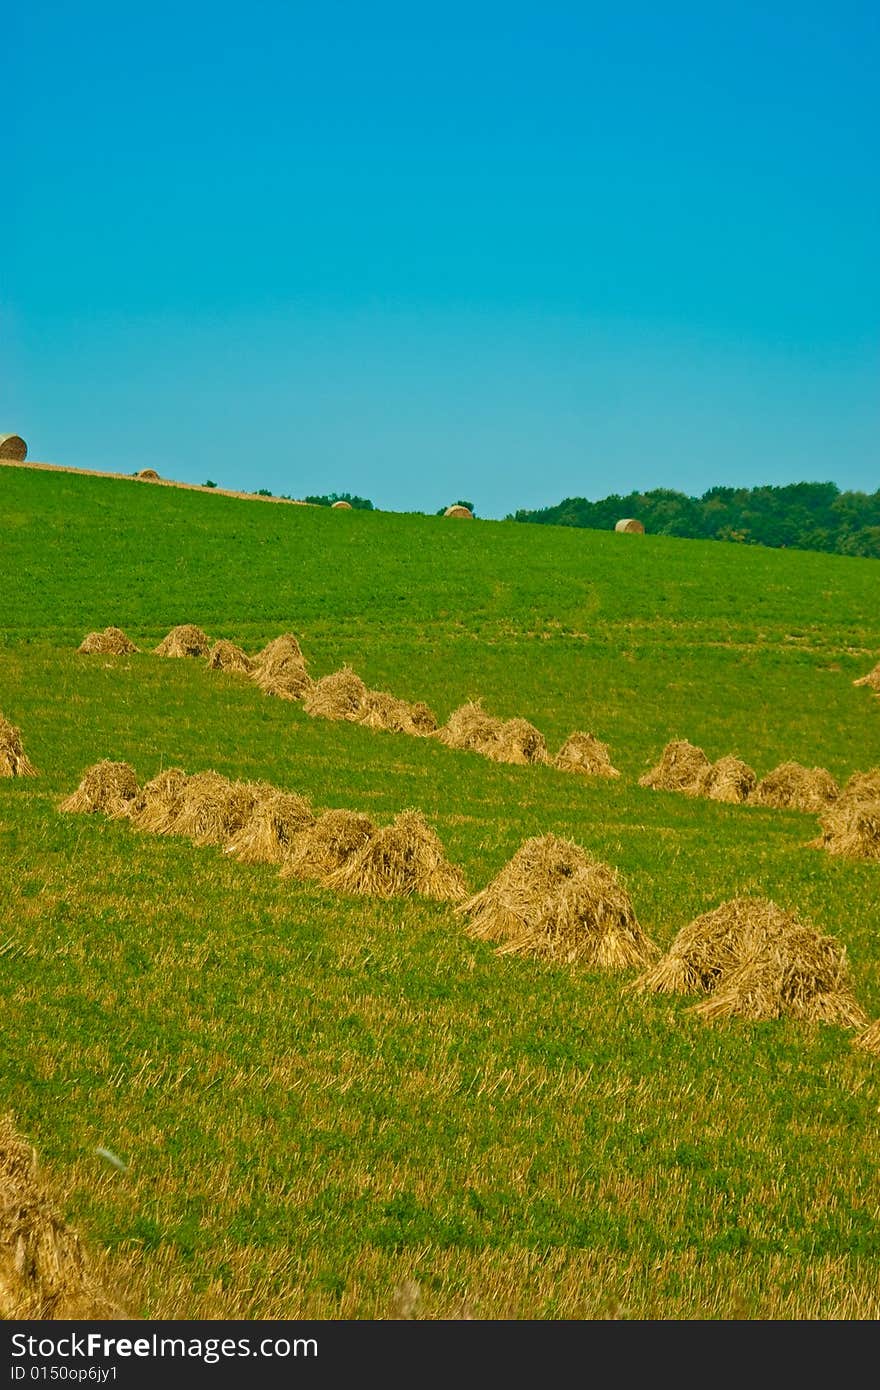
x=280 y=669
x=851 y=826
x=586 y=754
x=400 y=860
x=556 y=901
x=869 y=1038
x=14 y=762
x=381 y=710
x=729 y=779
x=792 y=787
x=518 y=742
x=158 y=803
x=106 y=787
x=872 y=679
x=185 y=640
x=758 y=962
x=111 y=642
x=682 y=768
x=279 y=651
x=214 y=809
x=337 y=696
x=226 y=656
x=268 y=835
x=327 y=845
x=45 y=1273
x=470 y=728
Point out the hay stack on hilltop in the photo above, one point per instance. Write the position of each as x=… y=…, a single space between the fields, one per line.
x=226 y=656
x=328 y=844
x=107 y=787
x=111 y=642
x=158 y=803
x=682 y=768
x=555 y=900
x=14 y=762
x=729 y=779
x=851 y=824
x=586 y=754
x=792 y=787
x=758 y=962
x=12 y=446
x=384 y=711
x=871 y=680
x=269 y=833
x=280 y=669
x=214 y=809
x=458 y=510
x=185 y=640
x=45 y=1273
x=398 y=860
x=340 y=695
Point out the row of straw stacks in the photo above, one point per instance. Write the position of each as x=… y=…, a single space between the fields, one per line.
x=280 y=669
x=553 y=900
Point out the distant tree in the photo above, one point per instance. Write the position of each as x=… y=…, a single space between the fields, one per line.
x=263 y=492
x=360 y=503
x=208 y=483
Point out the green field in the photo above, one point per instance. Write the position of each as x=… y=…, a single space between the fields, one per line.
x=323 y=1099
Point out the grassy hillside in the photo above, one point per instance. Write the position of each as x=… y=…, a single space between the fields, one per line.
x=323 y=1097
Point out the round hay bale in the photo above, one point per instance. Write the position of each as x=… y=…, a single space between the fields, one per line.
x=337 y=696
x=149 y=475
x=226 y=656
x=12 y=446
x=631 y=525
x=45 y=1273
x=185 y=640
x=758 y=962
x=459 y=511
x=585 y=753
x=14 y=762
x=111 y=642
x=328 y=844
x=345 y=506
x=793 y=787
x=106 y=786
x=682 y=768
x=399 y=860
x=555 y=900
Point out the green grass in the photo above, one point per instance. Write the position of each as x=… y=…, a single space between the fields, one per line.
x=322 y=1097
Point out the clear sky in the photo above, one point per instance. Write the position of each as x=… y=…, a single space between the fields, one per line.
x=506 y=253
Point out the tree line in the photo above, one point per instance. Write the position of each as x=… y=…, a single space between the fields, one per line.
x=801 y=516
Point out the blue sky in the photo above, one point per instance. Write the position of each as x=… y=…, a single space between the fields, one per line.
x=499 y=252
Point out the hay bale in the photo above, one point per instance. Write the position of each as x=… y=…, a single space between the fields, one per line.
x=384 y=711
x=555 y=900
x=12 y=446
x=871 y=680
x=111 y=642
x=586 y=754
x=345 y=506
x=459 y=511
x=756 y=961
x=630 y=525
x=213 y=809
x=158 y=803
x=868 y=1040
x=45 y=1273
x=107 y=787
x=185 y=640
x=280 y=669
x=793 y=787
x=328 y=844
x=682 y=768
x=399 y=860
x=337 y=696
x=149 y=475
x=469 y=727
x=729 y=779
x=226 y=656
x=268 y=835
x=851 y=825
x=14 y=762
